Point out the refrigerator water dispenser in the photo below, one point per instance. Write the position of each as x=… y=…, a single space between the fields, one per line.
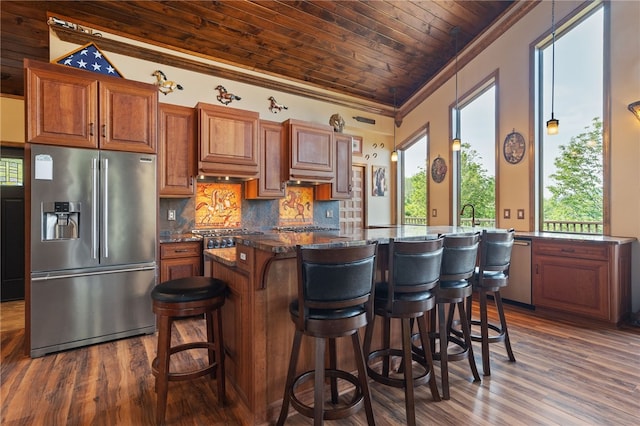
x=60 y=220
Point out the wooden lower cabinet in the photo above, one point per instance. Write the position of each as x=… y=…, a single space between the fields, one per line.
x=588 y=279
x=180 y=260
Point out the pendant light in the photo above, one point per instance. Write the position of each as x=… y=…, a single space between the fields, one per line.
x=456 y=144
x=394 y=153
x=552 y=125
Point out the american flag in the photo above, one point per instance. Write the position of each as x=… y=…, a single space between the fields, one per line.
x=90 y=58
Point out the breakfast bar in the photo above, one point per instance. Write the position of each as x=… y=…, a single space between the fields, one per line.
x=260 y=271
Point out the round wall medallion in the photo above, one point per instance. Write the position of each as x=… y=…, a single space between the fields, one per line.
x=514 y=147
x=438 y=169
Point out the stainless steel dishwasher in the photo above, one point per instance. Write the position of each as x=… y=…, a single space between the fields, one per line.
x=519 y=288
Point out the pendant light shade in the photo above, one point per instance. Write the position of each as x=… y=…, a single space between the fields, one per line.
x=394 y=153
x=553 y=124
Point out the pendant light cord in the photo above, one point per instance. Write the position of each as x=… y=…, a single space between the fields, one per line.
x=553 y=55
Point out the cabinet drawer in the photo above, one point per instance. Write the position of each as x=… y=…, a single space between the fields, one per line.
x=244 y=257
x=581 y=250
x=175 y=250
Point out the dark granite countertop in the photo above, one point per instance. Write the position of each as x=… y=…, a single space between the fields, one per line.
x=178 y=237
x=285 y=242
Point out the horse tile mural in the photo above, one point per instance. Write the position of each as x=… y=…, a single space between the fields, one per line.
x=297 y=206
x=219 y=205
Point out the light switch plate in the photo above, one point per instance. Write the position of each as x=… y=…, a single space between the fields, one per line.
x=171 y=215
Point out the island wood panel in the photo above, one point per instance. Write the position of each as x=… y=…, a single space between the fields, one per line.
x=256 y=317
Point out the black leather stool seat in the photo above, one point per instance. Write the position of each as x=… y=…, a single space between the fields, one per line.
x=189 y=289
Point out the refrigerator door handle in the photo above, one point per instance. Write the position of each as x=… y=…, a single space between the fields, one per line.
x=105 y=209
x=94 y=209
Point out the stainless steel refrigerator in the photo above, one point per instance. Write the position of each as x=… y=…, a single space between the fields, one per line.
x=93 y=246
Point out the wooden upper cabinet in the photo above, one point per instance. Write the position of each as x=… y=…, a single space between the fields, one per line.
x=71 y=107
x=177 y=151
x=341 y=188
x=128 y=116
x=310 y=151
x=228 y=141
x=270 y=182
x=61 y=108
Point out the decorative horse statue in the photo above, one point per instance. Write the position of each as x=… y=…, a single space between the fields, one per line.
x=225 y=97
x=275 y=107
x=165 y=86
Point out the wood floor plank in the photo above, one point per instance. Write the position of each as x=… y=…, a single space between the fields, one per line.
x=565 y=374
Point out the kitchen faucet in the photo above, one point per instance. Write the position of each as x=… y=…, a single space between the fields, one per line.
x=473 y=213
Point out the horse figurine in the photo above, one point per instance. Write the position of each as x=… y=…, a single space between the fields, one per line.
x=165 y=86
x=275 y=107
x=225 y=97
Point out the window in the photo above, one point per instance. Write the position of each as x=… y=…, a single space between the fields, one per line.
x=476 y=162
x=570 y=164
x=11 y=171
x=414 y=182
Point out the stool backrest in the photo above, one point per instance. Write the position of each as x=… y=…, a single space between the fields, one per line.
x=459 y=256
x=336 y=277
x=414 y=266
x=495 y=251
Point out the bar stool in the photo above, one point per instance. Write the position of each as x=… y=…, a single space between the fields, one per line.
x=491 y=275
x=180 y=298
x=458 y=265
x=414 y=270
x=335 y=287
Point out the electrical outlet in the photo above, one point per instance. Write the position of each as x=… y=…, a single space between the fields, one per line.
x=329 y=213
x=434 y=212
x=171 y=215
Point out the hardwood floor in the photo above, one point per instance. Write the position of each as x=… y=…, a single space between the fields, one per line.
x=565 y=374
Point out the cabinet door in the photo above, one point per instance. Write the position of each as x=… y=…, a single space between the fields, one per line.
x=171 y=269
x=228 y=140
x=61 y=108
x=176 y=156
x=270 y=182
x=128 y=116
x=311 y=151
x=342 y=185
x=570 y=284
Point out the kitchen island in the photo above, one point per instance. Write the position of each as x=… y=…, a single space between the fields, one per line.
x=261 y=273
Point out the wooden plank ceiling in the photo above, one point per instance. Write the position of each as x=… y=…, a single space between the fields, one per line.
x=360 y=48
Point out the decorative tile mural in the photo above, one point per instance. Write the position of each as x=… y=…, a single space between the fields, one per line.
x=297 y=206
x=219 y=205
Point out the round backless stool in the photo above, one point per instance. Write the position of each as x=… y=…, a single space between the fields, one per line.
x=180 y=298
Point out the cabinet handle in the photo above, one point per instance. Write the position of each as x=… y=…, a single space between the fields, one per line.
x=90 y=129
x=537 y=272
x=350 y=188
x=181 y=251
x=104 y=130
x=191 y=181
x=568 y=250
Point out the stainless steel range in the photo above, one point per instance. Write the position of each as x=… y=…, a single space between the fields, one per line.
x=222 y=237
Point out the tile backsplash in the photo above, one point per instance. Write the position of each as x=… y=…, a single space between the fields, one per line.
x=254 y=214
